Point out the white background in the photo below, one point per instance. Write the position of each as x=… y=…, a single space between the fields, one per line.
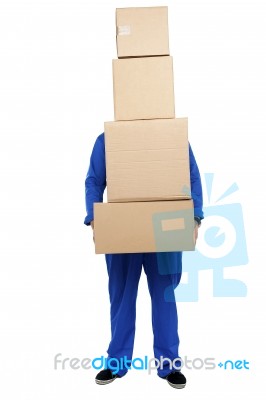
x=55 y=94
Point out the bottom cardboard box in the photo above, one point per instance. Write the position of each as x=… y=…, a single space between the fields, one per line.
x=144 y=227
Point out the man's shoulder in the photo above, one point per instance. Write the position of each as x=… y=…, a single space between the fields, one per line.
x=99 y=142
x=101 y=136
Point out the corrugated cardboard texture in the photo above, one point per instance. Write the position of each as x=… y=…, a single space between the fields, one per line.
x=144 y=227
x=143 y=88
x=147 y=160
x=142 y=31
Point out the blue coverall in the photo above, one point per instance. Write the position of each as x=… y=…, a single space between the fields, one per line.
x=124 y=272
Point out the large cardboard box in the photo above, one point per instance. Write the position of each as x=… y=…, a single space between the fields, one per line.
x=147 y=160
x=143 y=227
x=142 y=31
x=143 y=88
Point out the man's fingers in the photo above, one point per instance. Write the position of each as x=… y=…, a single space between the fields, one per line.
x=195 y=234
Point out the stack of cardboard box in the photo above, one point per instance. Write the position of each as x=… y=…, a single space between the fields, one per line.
x=149 y=205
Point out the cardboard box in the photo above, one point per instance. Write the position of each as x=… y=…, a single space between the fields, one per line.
x=143 y=88
x=147 y=160
x=142 y=31
x=144 y=227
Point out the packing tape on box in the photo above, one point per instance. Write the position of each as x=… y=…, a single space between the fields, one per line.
x=173 y=224
x=123 y=30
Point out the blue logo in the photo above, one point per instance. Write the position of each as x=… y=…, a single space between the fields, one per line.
x=221 y=244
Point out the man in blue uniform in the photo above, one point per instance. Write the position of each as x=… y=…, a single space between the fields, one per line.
x=124 y=272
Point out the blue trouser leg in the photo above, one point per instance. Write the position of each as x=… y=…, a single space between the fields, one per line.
x=163 y=272
x=124 y=272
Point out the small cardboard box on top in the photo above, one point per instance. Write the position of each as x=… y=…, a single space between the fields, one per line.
x=142 y=31
x=144 y=227
x=143 y=88
x=147 y=160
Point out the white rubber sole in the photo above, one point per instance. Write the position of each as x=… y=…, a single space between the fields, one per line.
x=102 y=382
x=177 y=386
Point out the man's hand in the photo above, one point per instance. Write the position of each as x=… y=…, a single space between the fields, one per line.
x=197 y=222
x=196 y=231
x=92 y=227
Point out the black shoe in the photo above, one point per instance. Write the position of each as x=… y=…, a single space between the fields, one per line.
x=105 y=376
x=176 y=379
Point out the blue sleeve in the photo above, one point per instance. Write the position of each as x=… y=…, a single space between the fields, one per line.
x=196 y=188
x=95 y=182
